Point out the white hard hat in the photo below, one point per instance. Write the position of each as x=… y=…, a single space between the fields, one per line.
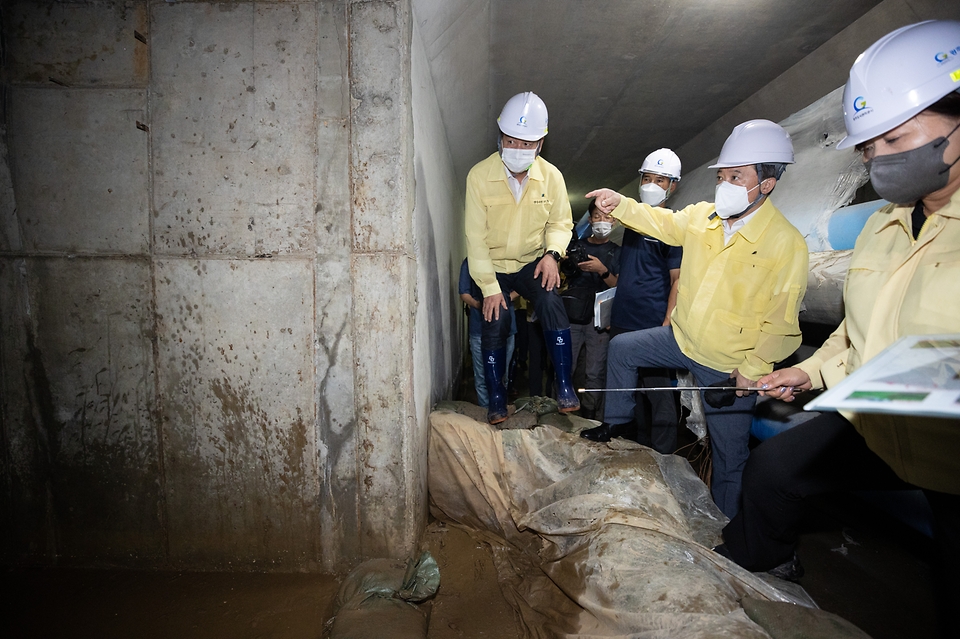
x=900 y=75
x=756 y=142
x=662 y=162
x=524 y=116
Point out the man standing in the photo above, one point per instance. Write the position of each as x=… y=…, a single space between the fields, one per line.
x=518 y=220
x=743 y=277
x=646 y=296
x=596 y=270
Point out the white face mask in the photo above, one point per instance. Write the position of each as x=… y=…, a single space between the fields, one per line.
x=652 y=194
x=601 y=229
x=732 y=200
x=518 y=160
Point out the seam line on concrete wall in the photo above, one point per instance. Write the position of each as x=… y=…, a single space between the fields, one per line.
x=358 y=470
x=155 y=340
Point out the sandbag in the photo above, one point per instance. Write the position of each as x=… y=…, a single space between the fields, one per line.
x=591 y=539
x=789 y=621
x=381 y=594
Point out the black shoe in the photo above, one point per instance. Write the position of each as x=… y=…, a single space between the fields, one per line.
x=790 y=570
x=605 y=432
x=723 y=552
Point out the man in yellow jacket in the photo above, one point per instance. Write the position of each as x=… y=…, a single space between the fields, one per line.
x=518 y=221
x=743 y=275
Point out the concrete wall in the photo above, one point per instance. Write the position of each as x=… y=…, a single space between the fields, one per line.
x=451 y=103
x=455 y=35
x=438 y=240
x=215 y=284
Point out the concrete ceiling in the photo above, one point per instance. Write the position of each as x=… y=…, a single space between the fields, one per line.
x=622 y=78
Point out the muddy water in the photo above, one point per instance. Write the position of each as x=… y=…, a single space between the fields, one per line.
x=101 y=603
x=108 y=604
x=469 y=604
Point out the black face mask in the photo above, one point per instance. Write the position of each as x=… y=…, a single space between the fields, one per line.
x=904 y=178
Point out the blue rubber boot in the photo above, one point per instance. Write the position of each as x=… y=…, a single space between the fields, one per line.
x=558 y=345
x=494 y=366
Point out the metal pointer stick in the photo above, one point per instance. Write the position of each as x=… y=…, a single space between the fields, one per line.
x=672 y=388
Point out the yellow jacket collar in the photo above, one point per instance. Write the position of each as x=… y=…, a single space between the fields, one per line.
x=759 y=220
x=952 y=209
x=902 y=214
x=898 y=216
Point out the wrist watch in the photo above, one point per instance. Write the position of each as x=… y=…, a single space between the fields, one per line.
x=605 y=275
x=554 y=255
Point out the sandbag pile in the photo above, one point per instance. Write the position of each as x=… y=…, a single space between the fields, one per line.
x=592 y=540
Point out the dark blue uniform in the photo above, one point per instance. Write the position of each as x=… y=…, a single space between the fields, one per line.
x=644 y=282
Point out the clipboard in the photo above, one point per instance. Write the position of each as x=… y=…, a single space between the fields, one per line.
x=916 y=375
x=602 y=308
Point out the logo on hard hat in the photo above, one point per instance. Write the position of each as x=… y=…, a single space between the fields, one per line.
x=660 y=162
x=861 y=108
x=946 y=56
x=522 y=121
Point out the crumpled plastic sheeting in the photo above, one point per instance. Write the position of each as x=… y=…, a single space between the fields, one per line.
x=696 y=421
x=823 y=303
x=592 y=540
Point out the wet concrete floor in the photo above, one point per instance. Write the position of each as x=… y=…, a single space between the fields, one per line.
x=869 y=568
x=59 y=602
x=51 y=603
x=860 y=564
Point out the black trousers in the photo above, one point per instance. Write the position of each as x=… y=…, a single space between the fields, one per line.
x=547 y=304
x=824 y=455
x=539 y=363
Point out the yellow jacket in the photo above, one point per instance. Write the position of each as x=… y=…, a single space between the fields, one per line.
x=737 y=305
x=898 y=286
x=503 y=235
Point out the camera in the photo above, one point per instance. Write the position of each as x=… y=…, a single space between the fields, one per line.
x=575 y=254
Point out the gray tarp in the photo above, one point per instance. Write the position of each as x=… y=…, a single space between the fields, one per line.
x=592 y=540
